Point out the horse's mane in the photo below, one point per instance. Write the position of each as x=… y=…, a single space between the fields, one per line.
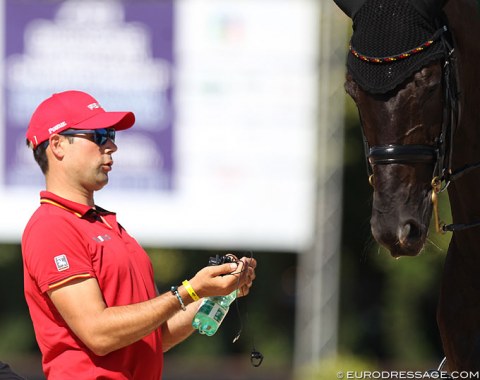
x=464 y=22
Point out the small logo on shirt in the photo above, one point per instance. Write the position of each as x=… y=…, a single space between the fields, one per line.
x=101 y=238
x=61 y=262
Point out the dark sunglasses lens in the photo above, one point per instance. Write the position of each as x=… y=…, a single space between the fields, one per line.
x=101 y=136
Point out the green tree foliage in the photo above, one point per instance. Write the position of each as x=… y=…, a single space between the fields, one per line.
x=337 y=367
x=16 y=331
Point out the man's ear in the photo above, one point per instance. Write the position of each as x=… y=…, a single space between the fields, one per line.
x=56 y=145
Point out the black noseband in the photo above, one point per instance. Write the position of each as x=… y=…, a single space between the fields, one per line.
x=402 y=154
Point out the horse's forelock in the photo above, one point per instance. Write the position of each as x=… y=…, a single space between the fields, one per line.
x=349 y=7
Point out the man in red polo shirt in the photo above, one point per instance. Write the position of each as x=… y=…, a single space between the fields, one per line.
x=88 y=284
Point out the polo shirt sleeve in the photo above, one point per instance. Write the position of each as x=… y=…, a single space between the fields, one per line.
x=56 y=253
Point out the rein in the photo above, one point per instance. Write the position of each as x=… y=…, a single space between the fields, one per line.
x=427 y=154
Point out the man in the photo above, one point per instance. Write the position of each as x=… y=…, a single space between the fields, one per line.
x=88 y=284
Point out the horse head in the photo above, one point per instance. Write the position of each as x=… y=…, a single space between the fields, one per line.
x=409 y=117
x=395 y=75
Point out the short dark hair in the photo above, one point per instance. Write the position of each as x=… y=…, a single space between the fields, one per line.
x=40 y=154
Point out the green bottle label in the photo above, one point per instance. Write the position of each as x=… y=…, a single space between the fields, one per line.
x=217 y=313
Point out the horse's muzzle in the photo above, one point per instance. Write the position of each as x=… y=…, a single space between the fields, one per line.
x=403 y=230
x=406 y=237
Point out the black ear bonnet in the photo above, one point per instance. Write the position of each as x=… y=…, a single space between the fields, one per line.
x=385 y=33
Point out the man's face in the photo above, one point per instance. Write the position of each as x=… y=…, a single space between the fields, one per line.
x=87 y=163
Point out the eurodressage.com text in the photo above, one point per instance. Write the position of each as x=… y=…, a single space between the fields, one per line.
x=408 y=375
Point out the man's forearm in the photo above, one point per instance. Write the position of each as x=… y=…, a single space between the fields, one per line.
x=179 y=327
x=106 y=329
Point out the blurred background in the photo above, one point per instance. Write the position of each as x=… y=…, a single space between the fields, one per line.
x=245 y=143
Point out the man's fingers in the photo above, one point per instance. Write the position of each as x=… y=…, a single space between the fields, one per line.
x=218 y=270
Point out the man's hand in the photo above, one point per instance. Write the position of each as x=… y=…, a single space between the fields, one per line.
x=220 y=280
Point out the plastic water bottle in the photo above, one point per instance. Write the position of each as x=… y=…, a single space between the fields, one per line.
x=211 y=313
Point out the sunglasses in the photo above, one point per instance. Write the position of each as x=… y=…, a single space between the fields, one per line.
x=99 y=136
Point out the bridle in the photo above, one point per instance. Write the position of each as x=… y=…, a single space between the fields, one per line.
x=439 y=154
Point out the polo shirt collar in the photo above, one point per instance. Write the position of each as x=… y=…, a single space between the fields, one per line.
x=78 y=209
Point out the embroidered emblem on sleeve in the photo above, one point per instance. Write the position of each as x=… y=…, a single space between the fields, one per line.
x=61 y=262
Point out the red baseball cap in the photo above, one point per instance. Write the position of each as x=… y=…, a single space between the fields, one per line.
x=72 y=110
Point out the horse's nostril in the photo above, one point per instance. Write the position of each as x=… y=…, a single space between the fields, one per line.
x=409 y=232
x=404 y=232
x=404 y=239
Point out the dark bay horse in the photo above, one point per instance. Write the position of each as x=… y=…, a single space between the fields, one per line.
x=413 y=70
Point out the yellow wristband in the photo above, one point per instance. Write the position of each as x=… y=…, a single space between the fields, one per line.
x=190 y=290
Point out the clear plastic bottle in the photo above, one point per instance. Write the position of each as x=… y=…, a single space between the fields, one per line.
x=211 y=313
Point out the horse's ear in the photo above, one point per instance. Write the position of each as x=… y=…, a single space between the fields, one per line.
x=428 y=8
x=349 y=7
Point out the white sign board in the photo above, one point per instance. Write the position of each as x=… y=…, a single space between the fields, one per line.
x=225 y=95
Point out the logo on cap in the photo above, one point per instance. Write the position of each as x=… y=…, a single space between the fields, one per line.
x=57 y=127
x=93 y=106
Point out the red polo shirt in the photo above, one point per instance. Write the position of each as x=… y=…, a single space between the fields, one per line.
x=63 y=241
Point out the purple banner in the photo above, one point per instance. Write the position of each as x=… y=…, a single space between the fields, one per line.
x=119 y=52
